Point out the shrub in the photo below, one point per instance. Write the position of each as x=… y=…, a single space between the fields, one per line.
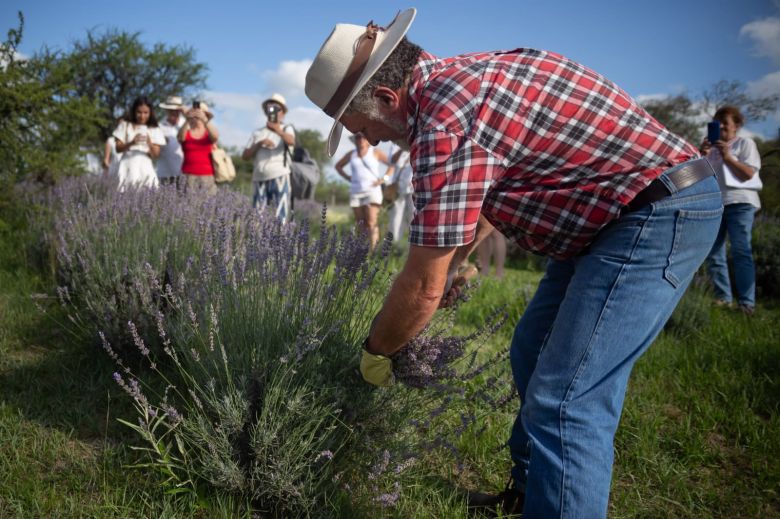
x=247 y=331
x=116 y=251
x=766 y=254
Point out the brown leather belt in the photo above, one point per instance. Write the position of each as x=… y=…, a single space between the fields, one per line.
x=682 y=176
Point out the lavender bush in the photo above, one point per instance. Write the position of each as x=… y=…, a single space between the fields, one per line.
x=116 y=251
x=247 y=333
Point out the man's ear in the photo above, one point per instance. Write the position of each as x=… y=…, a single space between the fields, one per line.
x=387 y=98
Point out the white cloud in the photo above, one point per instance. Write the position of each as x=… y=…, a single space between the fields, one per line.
x=766 y=35
x=18 y=56
x=645 y=98
x=238 y=115
x=288 y=79
x=767 y=85
x=750 y=134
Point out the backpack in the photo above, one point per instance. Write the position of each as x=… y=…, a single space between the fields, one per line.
x=224 y=170
x=304 y=173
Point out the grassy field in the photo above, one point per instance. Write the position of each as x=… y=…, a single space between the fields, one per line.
x=700 y=434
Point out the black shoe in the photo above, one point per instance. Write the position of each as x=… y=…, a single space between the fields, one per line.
x=509 y=502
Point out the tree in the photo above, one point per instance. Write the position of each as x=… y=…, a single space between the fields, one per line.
x=754 y=108
x=678 y=114
x=43 y=126
x=685 y=115
x=318 y=149
x=114 y=68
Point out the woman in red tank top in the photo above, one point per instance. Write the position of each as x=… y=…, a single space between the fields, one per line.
x=197 y=138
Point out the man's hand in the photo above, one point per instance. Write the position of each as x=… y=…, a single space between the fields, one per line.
x=377 y=369
x=456 y=282
x=274 y=127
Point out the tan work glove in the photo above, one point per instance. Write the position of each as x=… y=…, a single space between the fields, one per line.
x=377 y=369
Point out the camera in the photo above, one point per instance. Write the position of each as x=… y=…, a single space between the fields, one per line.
x=196 y=104
x=272 y=111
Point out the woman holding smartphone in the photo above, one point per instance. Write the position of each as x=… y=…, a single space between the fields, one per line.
x=197 y=137
x=138 y=139
x=736 y=162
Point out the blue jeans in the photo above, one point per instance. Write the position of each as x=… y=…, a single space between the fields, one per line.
x=738 y=223
x=573 y=350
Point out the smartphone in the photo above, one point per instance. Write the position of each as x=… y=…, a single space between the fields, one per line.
x=196 y=104
x=713 y=131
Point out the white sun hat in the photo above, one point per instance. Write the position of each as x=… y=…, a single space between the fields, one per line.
x=345 y=63
x=278 y=99
x=172 y=103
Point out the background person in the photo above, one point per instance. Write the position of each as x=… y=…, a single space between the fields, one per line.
x=549 y=153
x=111 y=158
x=138 y=139
x=736 y=162
x=492 y=247
x=402 y=209
x=197 y=137
x=267 y=148
x=171 y=155
x=365 y=184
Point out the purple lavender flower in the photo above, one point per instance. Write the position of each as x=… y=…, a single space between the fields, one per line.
x=139 y=342
x=390 y=499
x=326 y=454
x=426 y=361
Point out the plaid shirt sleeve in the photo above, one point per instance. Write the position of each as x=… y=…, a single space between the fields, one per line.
x=452 y=177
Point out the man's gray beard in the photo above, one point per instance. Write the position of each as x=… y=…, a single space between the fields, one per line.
x=397 y=127
x=372 y=112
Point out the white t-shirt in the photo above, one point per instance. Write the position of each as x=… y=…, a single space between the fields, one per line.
x=365 y=172
x=171 y=155
x=745 y=151
x=127 y=131
x=403 y=174
x=269 y=162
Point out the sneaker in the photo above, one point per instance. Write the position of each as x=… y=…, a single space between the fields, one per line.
x=722 y=303
x=509 y=502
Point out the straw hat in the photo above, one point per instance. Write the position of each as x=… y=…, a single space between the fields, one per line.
x=172 y=103
x=345 y=63
x=278 y=99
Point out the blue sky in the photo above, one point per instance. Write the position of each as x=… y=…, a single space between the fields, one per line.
x=252 y=49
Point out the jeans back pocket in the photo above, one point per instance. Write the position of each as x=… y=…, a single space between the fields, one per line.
x=694 y=234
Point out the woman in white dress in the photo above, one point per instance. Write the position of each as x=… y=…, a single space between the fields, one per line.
x=138 y=139
x=365 y=191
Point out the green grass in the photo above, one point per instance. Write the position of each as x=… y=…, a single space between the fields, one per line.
x=700 y=434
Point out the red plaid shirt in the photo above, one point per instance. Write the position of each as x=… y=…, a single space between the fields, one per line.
x=548 y=150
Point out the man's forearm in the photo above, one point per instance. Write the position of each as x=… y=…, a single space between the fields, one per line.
x=288 y=138
x=412 y=300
